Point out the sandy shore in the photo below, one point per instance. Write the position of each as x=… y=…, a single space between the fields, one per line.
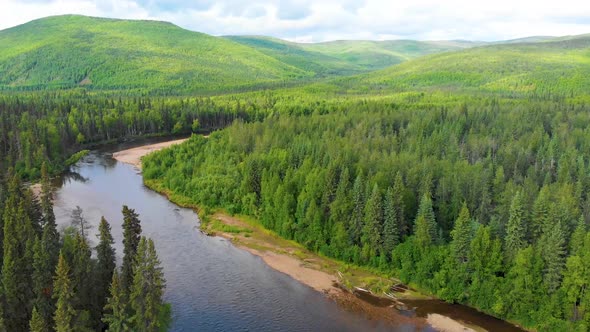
x=282 y=262
x=133 y=156
x=446 y=324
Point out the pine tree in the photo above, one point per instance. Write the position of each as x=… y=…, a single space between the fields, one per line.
x=131 y=236
x=37 y=323
x=43 y=282
x=105 y=265
x=116 y=315
x=63 y=293
x=148 y=288
x=358 y=206
x=50 y=236
x=516 y=230
x=17 y=269
x=461 y=235
x=540 y=214
x=391 y=224
x=373 y=222
x=82 y=283
x=425 y=227
x=398 y=201
x=578 y=236
x=554 y=254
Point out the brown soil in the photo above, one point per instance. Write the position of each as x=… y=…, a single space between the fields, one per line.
x=133 y=156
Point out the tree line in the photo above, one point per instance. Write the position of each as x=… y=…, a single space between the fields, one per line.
x=51 y=281
x=483 y=203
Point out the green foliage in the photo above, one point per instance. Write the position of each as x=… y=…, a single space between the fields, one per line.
x=63 y=293
x=147 y=289
x=131 y=239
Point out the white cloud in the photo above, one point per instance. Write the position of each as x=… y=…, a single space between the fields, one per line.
x=308 y=20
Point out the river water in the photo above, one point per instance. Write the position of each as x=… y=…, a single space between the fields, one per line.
x=211 y=285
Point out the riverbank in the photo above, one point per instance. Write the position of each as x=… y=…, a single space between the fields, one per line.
x=133 y=156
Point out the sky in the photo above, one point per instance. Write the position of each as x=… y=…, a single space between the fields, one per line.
x=324 y=20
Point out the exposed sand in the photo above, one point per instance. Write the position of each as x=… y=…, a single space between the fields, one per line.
x=446 y=324
x=282 y=262
x=133 y=156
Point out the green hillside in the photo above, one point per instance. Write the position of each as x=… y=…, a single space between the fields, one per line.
x=372 y=55
x=558 y=67
x=67 y=51
x=298 y=55
x=348 y=56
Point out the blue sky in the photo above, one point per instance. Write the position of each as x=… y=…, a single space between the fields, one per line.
x=323 y=20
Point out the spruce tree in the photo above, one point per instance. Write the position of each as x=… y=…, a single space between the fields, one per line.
x=578 y=236
x=50 y=236
x=17 y=268
x=37 y=323
x=43 y=282
x=63 y=294
x=148 y=288
x=461 y=235
x=105 y=266
x=516 y=229
x=373 y=223
x=553 y=251
x=425 y=222
x=116 y=315
x=131 y=237
x=540 y=214
x=82 y=283
x=398 y=201
x=358 y=206
x=391 y=225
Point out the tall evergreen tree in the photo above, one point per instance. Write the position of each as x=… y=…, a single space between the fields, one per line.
x=17 y=269
x=105 y=266
x=399 y=191
x=425 y=226
x=43 y=282
x=373 y=224
x=116 y=315
x=148 y=288
x=461 y=235
x=553 y=251
x=516 y=229
x=131 y=237
x=63 y=293
x=37 y=323
x=358 y=207
x=83 y=286
x=391 y=224
x=578 y=236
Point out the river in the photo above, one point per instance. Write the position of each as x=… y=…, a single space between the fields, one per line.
x=212 y=285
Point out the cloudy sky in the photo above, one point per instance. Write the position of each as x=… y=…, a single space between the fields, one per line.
x=322 y=20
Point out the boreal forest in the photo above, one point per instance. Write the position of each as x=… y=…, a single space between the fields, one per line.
x=463 y=169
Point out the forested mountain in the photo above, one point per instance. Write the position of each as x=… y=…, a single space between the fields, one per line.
x=70 y=51
x=561 y=66
x=341 y=57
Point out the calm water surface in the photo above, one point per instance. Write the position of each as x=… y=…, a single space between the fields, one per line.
x=211 y=285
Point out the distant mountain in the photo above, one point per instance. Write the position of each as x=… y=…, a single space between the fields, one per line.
x=348 y=56
x=69 y=51
x=561 y=65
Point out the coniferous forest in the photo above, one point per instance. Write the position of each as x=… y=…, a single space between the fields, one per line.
x=465 y=174
x=55 y=281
